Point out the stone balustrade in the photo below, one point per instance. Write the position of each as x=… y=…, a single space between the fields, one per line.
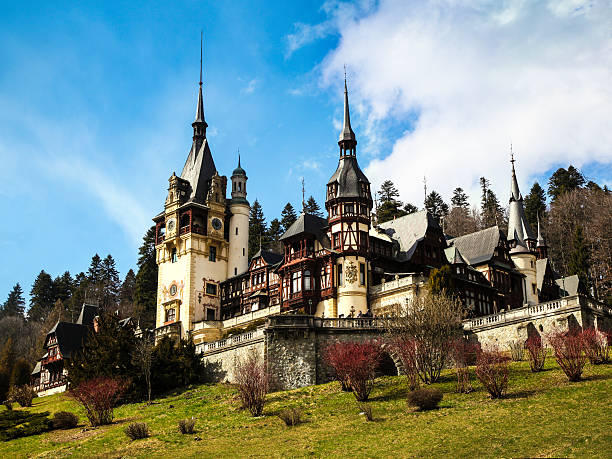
x=397 y=284
x=235 y=340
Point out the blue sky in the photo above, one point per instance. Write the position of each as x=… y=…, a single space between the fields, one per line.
x=96 y=101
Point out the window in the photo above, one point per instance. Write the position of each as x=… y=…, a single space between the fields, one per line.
x=170 y=315
x=210 y=314
x=340 y=278
x=296 y=281
x=211 y=289
x=336 y=241
x=174 y=256
x=362 y=274
x=349 y=208
x=363 y=239
x=533 y=288
x=212 y=254
x=243 y=251
x=239 y=186
x=236 y=231
x=307 y=280
x=235 y=271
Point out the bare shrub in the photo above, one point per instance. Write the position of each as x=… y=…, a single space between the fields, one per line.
x=432 y=320
x=356 y=363
x=366 y=409
x=22 y=395
x=98 y=397
x=568 y=347
x=536 y=352
x=406 y=350
x=64 y=420
x=425 y=398
x=492 y=371
x=137 y=430
x=463 y=353
x=186 y=426
x=596 y=345
x=253 y=382
x=291 y=416
x=517 y=349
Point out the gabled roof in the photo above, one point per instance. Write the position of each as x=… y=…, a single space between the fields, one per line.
x=569 y=285
x=69 y=336
x=306 y=224
x=541 y=267
x=454 y=257
x=408 y=231
x=199 y=169
x=88 y=312
x=478 y=247
x=271 y=258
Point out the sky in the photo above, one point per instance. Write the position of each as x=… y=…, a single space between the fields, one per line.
x=97 y=100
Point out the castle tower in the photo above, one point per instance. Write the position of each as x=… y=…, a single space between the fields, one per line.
x=522 y=241
x=349 y=205
x=192 y=242
x=240 y=211
x=541 y=247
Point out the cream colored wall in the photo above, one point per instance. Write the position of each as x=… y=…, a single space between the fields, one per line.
x=352 y=294
x=327 y=308
x=526 y=264
x=238 y=244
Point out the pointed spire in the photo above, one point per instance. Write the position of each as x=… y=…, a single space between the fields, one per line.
x=518 y=227
x=200 y=108
x=515 y=194
x=347 y=139
x=541 y=240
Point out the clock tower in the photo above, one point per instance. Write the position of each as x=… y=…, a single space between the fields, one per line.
x=193 y=243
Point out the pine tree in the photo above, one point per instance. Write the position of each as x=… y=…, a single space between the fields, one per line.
x=562 y=181
x=94 y=273
x=535 y=204
x=42 y=297
x=145 y=287
x=436 y=206
x=14 y=304
x=579 y=261
x=389 y=207
x=288 y=217
x=80 y=286
x=460 y=199
x=258 y=236
x=126 y=295
x=63 y=286
x=312 y=207
x=388 y=191
x=110 y=283
x=491 y=211
x=275 y=231
x=410 y=208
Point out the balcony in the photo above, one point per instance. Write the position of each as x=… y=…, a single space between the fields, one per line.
x=172 y=329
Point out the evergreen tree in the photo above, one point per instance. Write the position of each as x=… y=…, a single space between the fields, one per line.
x=441 y=280
x=63 y=286
x=145 y=286
x=7 y=357
x=126 y=295
x=436 y=206
x=535 y=204
x=460 y=199
x=175 y=364
x=94 y=273
x=312 y=207
x=562 y=181
x=257 y=229
x=110 y=284
x=388 y=191
x=491 y=211
x=21 y=373
x=80 y=285
x=275 y=231
x=14 y=304
x=579 y=260
x=288 y=217
x=389 y=207
x=42 y=297
x=410 y=208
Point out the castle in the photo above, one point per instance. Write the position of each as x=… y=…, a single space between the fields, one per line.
x=345 y=265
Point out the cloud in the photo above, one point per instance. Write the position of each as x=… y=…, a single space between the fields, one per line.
x=472 y=77
x=250 y=87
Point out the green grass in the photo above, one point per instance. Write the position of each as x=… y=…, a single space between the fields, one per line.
x=543 y=415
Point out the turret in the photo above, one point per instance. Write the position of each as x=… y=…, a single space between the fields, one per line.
x=240 y=210
x=541 y=247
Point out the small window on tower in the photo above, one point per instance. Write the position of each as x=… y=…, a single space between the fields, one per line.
x=349 y=209
x=243 y=252
x=211 y=289
x=336 y=241
x=362 y=274
x=235 y=271
x=212 y=255
x=236 y=231
x=340 y=278
x=210 y=314
x=171 y=315
x=174 y=256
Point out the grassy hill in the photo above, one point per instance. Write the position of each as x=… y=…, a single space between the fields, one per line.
x=543 y=415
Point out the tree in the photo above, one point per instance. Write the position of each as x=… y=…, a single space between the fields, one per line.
x=21 y=373
x=41 y=297
x=579 y=258
x=388 y=191
x=257 y=229
x=7 y=357
x=252 y=380
x=410 y=208
x=460 y=199
x=145 y=285
x=275 y=231
x=288 y=216
x=110 y=284
x=535 y=204
x=562 y=181
x=80 y=286
x=312 y=207
x=441 y=280
x=142 y=357
x=94 y=273
x=491 y=211
x=126 y=295
x=14 y=304
x=389 y=207
x=436 y=206
x=63 y=286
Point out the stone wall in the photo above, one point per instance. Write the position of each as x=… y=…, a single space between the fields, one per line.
x=224 y=359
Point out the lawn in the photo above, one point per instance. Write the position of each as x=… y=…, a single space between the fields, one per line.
x=543 y=415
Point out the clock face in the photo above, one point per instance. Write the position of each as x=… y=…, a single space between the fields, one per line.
x=170 y=224
x=216 y=224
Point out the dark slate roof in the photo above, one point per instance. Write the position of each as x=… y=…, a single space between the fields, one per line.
x=88 y=312
x=198 y=171
x=454 y=257
x=36 y=369
x=306 y=223
x=270 y=258
x=70 y=337
x=478 y=247
x=349 y=177
x=571 y=285
x=347 y=133
x=408 y=231
x=541 y=266
x=518 y=228
x=239 y=170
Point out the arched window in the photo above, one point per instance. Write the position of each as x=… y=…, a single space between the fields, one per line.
x=239 y=186
x=307 y=280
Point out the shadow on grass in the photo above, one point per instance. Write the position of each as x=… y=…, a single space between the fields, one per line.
x=388 y=395
x=520 y=394
x=598 y=377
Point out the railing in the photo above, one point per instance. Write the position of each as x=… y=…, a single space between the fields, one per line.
x=231 y=341
x=306 y=321
x=171 y=328
x=51 y=384
x=248 y=317
x=412 y=279
x=357 y=322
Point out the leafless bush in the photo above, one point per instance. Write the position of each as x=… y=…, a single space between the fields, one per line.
x=22 y=395
x=426 y=398
x=430 y=322
x=64 y=420
x=517 y=349
x=463 y=353
x=596 y=345
x=291 y=416
x=537 y=353
x=187 y=426
x=366 y=409
x=137 y=430
x=253 y=383
x=406 y=350
x=99 y=396
x=569 y=352
x=492 y=371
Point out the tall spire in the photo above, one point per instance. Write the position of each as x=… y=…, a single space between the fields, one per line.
x=347 y=139
x=518 y=227
x=515 y=194
x=200 y=125
x=541 y=241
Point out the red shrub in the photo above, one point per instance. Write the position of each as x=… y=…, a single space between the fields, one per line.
x=537 y=353
x=596 y=345
x=356 y=363
x=569 y=352
x=463 y=353
x=253 y=383
x=406 y=351
x=99 y=396
x=492 y=371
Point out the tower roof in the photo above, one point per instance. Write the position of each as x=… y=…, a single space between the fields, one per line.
x=199 y=119
x=239 y=170
x=541 y=240
x=518 y=227
x=347 y=133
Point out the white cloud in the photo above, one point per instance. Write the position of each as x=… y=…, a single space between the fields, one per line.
x=479 y=75
x=250 y=87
